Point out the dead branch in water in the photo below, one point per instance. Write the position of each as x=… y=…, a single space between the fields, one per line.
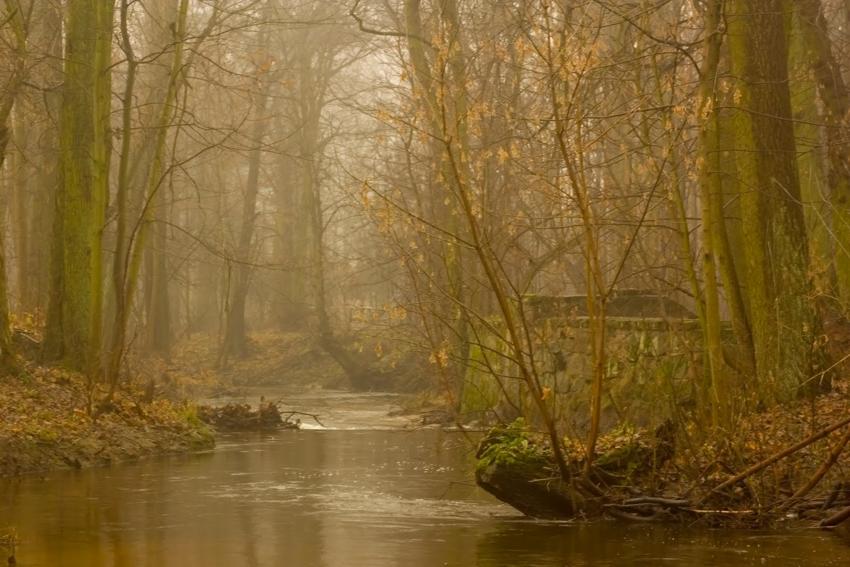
x=289 y=414
x=835 y=519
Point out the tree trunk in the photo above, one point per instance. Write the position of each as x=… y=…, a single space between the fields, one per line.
x=85 y=147
x=53 y=344
x=818 y=54
x=235 y=340
x=440 y=88
x=139 y=196
x=784 y=321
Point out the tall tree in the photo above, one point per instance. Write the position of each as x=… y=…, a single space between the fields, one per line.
x=15 y=15
x=235 y=339
x=782 y=312
x=819 y=56
x=139 y=194
x=85 y=136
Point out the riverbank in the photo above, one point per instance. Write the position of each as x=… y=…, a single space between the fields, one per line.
x=45 y=425
x=786 y=464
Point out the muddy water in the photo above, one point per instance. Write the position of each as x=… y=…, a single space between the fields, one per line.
x=358 y=492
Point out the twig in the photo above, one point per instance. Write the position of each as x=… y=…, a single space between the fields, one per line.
x=819 y=504
x=722 y=512
x=777 y=457
x=835 y=519
x=361 y=25
x=658 y=501
x=821 y=472
x=314 y=416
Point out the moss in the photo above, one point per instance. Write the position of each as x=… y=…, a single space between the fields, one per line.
x=189 y=414
x=510 y=445
x=200 y=434
x=627 y=452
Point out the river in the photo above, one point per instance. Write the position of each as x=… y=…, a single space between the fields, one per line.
x=361 y=491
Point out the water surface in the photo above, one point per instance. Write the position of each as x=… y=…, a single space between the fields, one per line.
x=361 y=492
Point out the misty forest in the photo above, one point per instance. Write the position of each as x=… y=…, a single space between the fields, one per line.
x=426 y=282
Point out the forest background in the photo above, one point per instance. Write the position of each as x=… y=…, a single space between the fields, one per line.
x=394 y=179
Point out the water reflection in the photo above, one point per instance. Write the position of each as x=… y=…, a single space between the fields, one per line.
x=339 y=499
x=608 y=543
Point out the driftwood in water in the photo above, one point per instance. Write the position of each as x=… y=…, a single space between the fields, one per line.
x=242 y=417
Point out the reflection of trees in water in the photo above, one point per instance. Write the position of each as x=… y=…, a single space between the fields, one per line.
x=532 y=543
x=615 y=544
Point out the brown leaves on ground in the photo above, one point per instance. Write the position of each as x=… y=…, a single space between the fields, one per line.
x=45 y=424
x=757 y=437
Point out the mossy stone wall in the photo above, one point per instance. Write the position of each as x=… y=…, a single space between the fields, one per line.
x=652 y=371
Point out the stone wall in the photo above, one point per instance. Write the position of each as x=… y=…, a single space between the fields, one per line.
x=652 y=371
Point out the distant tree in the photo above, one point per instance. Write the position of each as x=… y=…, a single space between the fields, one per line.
x=264 y=76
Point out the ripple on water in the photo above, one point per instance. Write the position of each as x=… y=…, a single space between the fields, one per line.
x=381 y=507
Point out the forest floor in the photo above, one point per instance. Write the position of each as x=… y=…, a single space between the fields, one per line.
x=761 y=436
x=45 y=425
x=292 y=360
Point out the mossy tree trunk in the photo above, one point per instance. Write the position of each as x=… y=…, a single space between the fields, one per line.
x=52 y=346
x=81 y=201
x=717 y=262
x=439 y=84
x=832 y=90
x=784 y=321
x=710 y=191
x=16 y=21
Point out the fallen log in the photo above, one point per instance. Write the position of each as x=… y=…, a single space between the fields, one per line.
x=520 y=472
x=520 y=486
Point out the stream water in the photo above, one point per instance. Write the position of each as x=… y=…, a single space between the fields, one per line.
x=360 y=491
